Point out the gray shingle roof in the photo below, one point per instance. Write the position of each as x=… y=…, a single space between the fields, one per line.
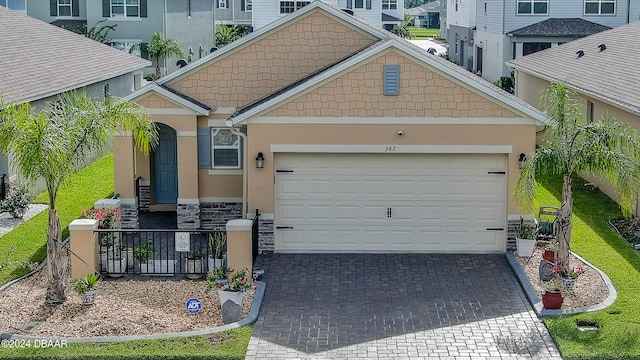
x=39 y=60
x=560 y=27
x=612 y=74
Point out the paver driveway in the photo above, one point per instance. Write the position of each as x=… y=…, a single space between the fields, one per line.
x=374 y=306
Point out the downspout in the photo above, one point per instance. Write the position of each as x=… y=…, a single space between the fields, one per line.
x=628 y=11
x=245 y=146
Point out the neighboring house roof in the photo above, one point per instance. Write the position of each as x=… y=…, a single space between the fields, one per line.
x=39 y=60
x=423 y=9
x=418 y=10
x=560 y=27
x=610 y=75
x=387 y=17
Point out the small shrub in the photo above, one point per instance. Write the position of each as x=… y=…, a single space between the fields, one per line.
x=16 y=202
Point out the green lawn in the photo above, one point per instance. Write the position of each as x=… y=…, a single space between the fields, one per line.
x=619 y=334
x=227 y=345
x=422 y=33
x=30 y=238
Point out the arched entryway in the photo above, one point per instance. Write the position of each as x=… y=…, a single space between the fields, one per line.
x=165 y=167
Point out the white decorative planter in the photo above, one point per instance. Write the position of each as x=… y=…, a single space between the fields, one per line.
x=146 y=267
x=213 y=263
x=89 y=297
x=231 y=305
x=524 y=247
x=194 y=269
x=117 y=267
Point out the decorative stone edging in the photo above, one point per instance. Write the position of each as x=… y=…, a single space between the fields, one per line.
x=250 y=319
x=535 y=301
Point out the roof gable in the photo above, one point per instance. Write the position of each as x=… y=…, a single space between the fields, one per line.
x=601 y=74
x=39 y=60
x=504 y=104
x=154 y=96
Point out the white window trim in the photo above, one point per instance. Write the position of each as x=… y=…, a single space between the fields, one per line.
x=599 y=2
x=222 y=4
x=70 y=6
x=295 y=5
x=214 y=130
x=124 y=14
x=248 y=5
x=388 y=3
x=532 y=7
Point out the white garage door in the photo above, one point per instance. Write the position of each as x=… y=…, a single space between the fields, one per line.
x=390 y=202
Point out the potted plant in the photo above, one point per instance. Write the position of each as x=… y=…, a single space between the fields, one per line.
x=231 y=294
x=86 y=287
x=568 y=277
x=117 y=261
x=217 y=277
x=550 y=250
x=142 y=254
x=552 y=297
x=194 y=265
x=217 y=245
x=526 y=235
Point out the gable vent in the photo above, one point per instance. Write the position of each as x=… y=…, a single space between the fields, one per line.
x=580 y=53
x=602 y=47
x=391 y=78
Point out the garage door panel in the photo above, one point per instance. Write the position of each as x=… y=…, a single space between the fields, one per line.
x=437 y=202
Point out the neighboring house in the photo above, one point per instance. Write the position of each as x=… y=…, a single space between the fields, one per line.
x=509 y=29
x=344 y=137
x=383 y=13
x=427 y=15
x=40 y=61
x=233 y=12
x=191 y=22
x=461 y=23
x=605 y=77
x=15 y=5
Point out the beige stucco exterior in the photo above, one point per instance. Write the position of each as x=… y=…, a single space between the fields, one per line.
x=278 y=59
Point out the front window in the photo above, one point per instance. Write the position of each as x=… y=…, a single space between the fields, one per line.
x=222 y=4
x=226 y=149
x=125 y=8
x=287 y=7
x=64 y=7
x=248 y=5
x=16 y=5
x=389 y=4
x=599 y=7
x=528 y=7
x=359 y=4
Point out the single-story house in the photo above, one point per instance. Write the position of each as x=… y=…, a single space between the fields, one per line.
x=601 y=68
x=345 y=137
x=39 y=61
x=426 y=15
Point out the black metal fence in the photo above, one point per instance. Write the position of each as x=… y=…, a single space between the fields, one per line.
x=255 y=231
x=161 y=252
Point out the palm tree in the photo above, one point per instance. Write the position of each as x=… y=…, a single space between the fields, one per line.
x=161 y=47
x=50 y=144
x=573 y=145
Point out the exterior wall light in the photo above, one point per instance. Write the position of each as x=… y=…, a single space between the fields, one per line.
x=521 y=160
x=260 y=161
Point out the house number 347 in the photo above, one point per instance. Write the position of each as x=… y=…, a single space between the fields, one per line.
x=390 y=148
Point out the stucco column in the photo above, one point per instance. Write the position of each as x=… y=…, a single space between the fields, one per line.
x=239 y=245
x=124 y=178
x=188 y=206
x=84 y=248
x=519 y=50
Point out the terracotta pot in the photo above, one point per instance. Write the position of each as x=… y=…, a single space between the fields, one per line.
x=552 y=300
x=549 y=255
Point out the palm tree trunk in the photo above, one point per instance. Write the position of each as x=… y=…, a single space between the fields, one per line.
x=55 y=264
x=158 y=73
x=564 y=219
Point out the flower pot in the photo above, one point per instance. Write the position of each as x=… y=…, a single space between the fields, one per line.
x=116 y=267
x=89 y=297
x=568 y=282
x=231 y=303
x=128 y=254
x=213 y=263
x=552 y=300
x=146 y=267
x=524 y=247
x=549 y=255
x=194 y=268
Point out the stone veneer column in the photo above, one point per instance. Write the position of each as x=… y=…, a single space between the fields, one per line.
x=188 y=215
x=144 y=198
x=216 y=214
x=129 y=214
x=266 y=240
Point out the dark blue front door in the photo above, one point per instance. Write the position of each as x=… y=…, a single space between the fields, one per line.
x=165 y=170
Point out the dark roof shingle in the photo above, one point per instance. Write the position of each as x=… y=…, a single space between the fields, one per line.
x=39 y=60
x=560 y=27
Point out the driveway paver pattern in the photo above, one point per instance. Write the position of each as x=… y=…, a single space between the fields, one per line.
x=402 y=306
